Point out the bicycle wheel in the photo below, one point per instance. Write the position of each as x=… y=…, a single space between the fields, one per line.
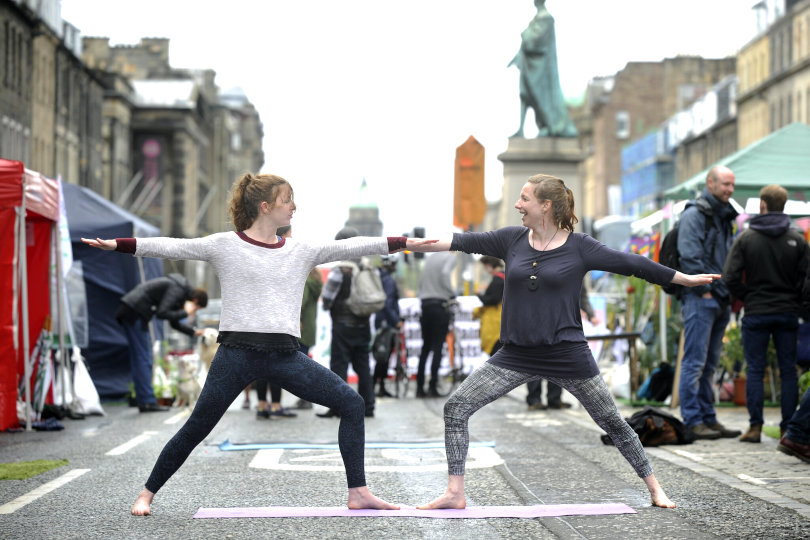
x=401 y=375
x=447 y=382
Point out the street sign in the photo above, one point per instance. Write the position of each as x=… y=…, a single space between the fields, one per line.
x=469 y=202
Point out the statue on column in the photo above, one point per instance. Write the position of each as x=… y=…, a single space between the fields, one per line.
x=539 y=79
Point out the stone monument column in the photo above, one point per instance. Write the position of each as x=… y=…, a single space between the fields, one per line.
x=557 y=156
x=556 y=150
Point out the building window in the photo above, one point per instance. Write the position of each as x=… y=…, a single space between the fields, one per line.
x=622 y=124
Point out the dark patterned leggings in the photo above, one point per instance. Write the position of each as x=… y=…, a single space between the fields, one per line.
x=232 y=370
x=488 y=383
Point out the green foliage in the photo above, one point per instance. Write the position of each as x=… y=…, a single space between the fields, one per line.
x=26 y=469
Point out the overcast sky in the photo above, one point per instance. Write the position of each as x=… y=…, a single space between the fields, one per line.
x=387 y=90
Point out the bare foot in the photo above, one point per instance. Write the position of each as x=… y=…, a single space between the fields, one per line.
x=657 y=495
x=361 y=497
x=142 y=503
x=661 y=500
x=448 y=500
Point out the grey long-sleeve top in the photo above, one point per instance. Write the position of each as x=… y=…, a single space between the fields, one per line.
x=262 y=284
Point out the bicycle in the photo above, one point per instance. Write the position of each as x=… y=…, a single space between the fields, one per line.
x=448 y=382
x=402 y=376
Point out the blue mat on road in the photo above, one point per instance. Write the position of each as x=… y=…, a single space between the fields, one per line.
x=227 y=445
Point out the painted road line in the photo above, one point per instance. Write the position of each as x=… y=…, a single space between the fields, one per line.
x=401 y=460
x=751 y=479
x=44 y=489
x=185 y=413
x=132 y=443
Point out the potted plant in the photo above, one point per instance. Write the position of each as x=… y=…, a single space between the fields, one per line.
x=733 y=361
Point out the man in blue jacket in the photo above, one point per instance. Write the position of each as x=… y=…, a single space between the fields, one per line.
x=706 y=309
x=167 y=297
x=767 y=269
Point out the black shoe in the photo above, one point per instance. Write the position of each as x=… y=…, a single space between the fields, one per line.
x=702 y=431
x=725 y=433
x=382 y=392
x=263 y=414
x=369 y=414
x=328 y=414
x=432 y=392
x=420 y=393
x=152 y=407
x=559 y=405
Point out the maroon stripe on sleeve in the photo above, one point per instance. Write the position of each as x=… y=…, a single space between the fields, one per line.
x=395 y=243
x=125 y=245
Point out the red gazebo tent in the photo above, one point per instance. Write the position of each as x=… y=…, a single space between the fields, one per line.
x=29 y=205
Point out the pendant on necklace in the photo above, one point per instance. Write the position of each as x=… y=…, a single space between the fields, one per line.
x=533 y=283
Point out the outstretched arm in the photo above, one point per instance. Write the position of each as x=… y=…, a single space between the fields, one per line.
x=694 y=280
x=106 y=245
x=427 y=246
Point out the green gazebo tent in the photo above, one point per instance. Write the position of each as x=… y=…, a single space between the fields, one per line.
x=783 y=158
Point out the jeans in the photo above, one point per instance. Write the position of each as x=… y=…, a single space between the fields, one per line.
x=704 y=325
x=798 y=427
x=350 y=344
x=757 y=331
x=140 y=362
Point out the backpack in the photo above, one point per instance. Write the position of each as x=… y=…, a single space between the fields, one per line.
x=366 y=295
x=655 y=427
x=383 y=343
x=668 y=254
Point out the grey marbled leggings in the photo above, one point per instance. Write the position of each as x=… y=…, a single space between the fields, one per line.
x=489 y=382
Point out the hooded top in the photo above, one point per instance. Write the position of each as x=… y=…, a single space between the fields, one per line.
x=767 y=267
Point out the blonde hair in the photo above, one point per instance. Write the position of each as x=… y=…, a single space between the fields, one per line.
x=249 y=192
x=551 y=188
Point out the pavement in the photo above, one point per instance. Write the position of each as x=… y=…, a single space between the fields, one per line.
x=759 y=470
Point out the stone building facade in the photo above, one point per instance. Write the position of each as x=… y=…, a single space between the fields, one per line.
x=629 y=105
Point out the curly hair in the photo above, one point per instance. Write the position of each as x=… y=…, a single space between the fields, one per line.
x=249 y=191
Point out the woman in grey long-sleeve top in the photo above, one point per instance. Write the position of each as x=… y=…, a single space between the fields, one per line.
x=262 y=277
x=541 y=328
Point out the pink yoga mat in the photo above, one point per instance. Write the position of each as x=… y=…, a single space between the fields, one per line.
x=471 y=512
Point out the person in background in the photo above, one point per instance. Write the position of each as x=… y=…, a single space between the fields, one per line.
x=706 y=308
x=309 y=318
x=541 y=329
x=435 y=291
x=351 y=334
x=767 y=270
x=796 y=439
x=260 y=385
x=388 y=316
x=262 y=276
x=534 y=397
x=170 y=298
x=490 y=312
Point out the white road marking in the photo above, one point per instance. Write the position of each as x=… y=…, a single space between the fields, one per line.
x=751 y=479
x=477 y=458
x=185 y=413
x=687 y=455
x=132 y=443
x=44 y=489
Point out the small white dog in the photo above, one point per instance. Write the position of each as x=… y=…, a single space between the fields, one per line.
x=188 y=387
x=208 y=347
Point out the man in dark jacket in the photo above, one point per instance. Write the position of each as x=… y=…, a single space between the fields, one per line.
x=766 y=269
x=706 y=308
x=351 y=334
x=168 y=297
x=387 y=317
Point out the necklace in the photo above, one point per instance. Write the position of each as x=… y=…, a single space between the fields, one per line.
x=533 y=284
